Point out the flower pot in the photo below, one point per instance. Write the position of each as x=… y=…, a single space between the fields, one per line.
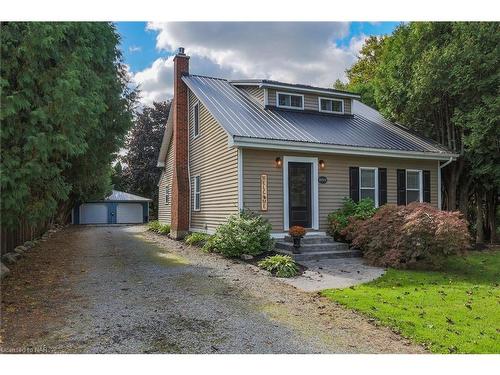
x=296 y=244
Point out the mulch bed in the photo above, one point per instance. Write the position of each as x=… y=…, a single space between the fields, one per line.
x=256 y=259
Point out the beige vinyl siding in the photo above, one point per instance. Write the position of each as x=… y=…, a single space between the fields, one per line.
x=164 y=209
x=348 y=106
x=255 y=92
x=311 y=101
x=331 y=194
x=217 y=165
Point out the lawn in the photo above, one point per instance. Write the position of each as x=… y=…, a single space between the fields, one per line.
x=456 y=310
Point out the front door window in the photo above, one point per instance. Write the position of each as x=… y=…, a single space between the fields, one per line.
x=299 y=188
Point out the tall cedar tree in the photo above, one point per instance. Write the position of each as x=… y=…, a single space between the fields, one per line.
x=141 y=175
x=442 y=80
x=65 y=110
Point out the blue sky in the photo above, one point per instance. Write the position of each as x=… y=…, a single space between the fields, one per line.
x=311 y=53
x=139 y=45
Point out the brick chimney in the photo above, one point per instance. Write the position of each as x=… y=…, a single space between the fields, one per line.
x=180 y=178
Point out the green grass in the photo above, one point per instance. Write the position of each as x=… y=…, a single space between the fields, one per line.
x=456 y=310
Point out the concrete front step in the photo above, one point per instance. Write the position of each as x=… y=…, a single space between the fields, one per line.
x=313 y=247
x=311 y=239
x=322 y=255
x=316 y=247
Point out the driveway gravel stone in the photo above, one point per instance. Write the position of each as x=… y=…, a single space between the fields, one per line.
x=121 y=289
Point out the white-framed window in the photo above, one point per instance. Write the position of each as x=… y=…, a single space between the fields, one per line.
x=196 y=119
x=197 y=193
x=287 y=100
x=414 y=191
x=368 y=184
x=167 y=194
x=330 y=105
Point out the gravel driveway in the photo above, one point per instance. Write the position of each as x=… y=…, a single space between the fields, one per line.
x=121 y=289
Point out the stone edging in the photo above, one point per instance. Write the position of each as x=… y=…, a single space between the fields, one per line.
x=12 y=257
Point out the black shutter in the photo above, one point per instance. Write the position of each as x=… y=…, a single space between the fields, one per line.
x=401 y=180
x=354 y=183
x=382 y=186
x=427 y=186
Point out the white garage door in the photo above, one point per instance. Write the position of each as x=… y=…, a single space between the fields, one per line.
x=93 y=213
x=127 y=213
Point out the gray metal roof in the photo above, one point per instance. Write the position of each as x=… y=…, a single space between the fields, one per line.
x=121 y=196
x=294 y=86
x=241 y=116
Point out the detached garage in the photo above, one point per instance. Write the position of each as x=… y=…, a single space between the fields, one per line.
x=118 y=208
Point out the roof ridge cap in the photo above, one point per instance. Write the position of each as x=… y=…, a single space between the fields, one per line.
x=203 y=76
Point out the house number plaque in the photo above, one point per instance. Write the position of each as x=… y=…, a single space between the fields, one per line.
x=263 y=192
x=322 y=179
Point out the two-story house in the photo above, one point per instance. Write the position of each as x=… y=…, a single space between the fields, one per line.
x=288 y=152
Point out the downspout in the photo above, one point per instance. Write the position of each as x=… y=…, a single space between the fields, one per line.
x=189 y=154
x=240 y=179
x=440 y=193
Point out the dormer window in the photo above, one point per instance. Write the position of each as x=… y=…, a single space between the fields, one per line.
x=331 y=105
x=291 y=101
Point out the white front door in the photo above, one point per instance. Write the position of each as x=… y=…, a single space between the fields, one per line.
x=94 y=213
x=128 y=213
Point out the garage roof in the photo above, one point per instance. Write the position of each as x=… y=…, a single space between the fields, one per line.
x=121 y=196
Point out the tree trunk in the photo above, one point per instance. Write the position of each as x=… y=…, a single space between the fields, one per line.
x=479 y=219
x=491 y=215
x=454 y=174
x=451 y=189
x=64 y=211
x=463 y=198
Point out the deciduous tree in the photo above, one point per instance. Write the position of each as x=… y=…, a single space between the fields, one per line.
x=442 y=80
x=141 y=175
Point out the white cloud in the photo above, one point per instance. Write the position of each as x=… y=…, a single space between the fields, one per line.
x=155 y=82
x=297 y=52
x=133 y=49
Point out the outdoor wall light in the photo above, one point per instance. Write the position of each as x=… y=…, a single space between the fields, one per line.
x=321 y=164
x=278 y=162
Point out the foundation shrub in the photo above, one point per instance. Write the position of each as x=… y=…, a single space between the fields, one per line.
x=197 y=239
x=164 y=229
x=245 y=233
x=405 y=236
x=351 y=211
x=157 y=227
x=154 y=225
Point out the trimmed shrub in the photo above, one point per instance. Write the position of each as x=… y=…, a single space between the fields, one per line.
x=197 y=239
x=402 y=236
x=245 y=233
x=347 y=234
x=280 y=265
x=341 y=218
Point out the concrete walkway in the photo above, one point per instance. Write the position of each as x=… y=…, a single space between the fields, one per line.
x=333 y=274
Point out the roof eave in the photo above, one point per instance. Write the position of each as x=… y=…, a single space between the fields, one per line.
x=337 y=149
x=167 y=135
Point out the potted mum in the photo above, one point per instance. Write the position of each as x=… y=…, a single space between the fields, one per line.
x=296 y=232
